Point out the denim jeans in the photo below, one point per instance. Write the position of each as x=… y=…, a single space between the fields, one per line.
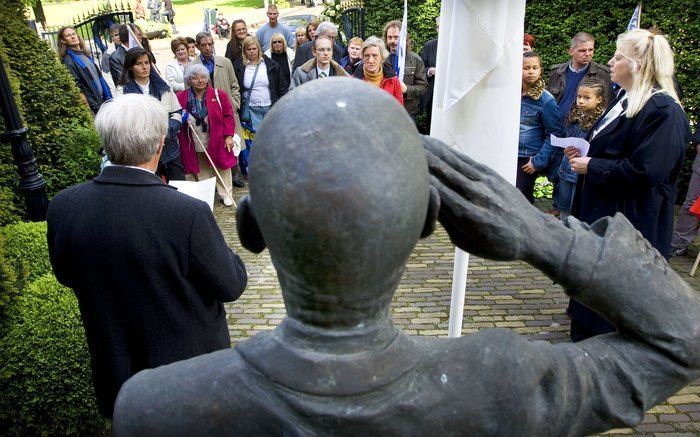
x=257 y=113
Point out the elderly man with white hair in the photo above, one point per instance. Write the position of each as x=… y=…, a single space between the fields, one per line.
x=149 y=265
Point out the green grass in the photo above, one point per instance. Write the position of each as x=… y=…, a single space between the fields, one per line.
x=187 y=11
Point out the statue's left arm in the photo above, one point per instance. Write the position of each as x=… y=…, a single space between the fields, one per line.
x=606 y=381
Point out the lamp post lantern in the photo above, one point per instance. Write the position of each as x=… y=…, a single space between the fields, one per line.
x=31 y=182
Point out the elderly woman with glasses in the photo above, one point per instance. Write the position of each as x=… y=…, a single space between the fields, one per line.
x=375 y=70
x=206 y=136
x=261 y=82
x=283 y=55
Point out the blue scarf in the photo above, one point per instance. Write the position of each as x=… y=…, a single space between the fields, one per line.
x=106 y=94
x=198 y=109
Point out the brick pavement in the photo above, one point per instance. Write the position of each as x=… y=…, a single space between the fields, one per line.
x=499 y=294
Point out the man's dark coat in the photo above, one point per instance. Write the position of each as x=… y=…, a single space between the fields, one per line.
x=150 y=269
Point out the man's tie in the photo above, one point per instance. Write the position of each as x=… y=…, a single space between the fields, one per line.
x=323 y=74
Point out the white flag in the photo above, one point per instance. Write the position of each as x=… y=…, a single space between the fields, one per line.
x=476 y=102
x=401 y=47
x=133 y=41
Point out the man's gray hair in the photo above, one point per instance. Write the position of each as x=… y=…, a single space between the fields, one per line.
x=131 y=127
x=325 y=27
x=580 y=38
x=201 y=35
x=373 y=41
x=194 y=70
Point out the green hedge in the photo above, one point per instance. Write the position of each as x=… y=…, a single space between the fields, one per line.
x=421 y=18
x=45 y=377
x=24 y=257
x=61 y=129
x=26 y=249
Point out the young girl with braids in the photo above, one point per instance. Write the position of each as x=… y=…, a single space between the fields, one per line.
x=590 y=105
x=538 y=120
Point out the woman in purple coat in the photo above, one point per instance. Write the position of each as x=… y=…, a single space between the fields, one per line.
x=206 y=136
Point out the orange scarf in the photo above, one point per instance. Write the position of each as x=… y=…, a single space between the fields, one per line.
x=374 y=78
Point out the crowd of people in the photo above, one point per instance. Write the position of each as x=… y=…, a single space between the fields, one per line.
x=288 y=59
x=627 y=109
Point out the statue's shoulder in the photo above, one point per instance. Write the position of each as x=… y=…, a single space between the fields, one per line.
x=162 y=400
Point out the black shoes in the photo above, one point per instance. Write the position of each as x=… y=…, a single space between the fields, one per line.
x=238 y=183
x=679 y=251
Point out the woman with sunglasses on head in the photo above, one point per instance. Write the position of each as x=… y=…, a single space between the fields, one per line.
x=283 y=55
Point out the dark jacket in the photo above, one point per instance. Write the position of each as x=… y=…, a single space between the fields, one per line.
x=557 y=78
x=429 y=57
x=414 y=78
x=84 y=80
x=229 y=51
x=349 y=67
x=634 y=168
x=150 y=269
x=277 y=85
x=305 y=52
x=116 y=63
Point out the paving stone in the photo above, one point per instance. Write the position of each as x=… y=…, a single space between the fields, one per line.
x=662 y=409
x=654 y=427
x=683 y=399
x=674 y=418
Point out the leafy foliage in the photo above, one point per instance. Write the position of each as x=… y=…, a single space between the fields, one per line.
x=26 y=249
x=421 y=18
x=543 y=188
x=60 y=124
x=45 y=366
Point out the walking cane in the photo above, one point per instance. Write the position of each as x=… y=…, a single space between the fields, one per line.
x=211 y=162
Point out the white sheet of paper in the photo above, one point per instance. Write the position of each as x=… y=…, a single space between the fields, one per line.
x=579 y=143
x=202 y=190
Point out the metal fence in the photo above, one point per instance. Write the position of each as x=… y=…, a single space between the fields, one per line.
x=94 y=30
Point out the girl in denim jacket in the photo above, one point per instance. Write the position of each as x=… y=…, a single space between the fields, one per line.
x=590 y=105
x=538 y=120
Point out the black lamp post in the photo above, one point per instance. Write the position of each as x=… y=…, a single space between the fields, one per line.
x=31 y=182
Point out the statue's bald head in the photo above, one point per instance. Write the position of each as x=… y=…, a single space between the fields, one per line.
x=340 y=194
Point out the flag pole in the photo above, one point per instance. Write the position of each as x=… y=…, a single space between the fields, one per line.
x=459 y=291
x=476 y=100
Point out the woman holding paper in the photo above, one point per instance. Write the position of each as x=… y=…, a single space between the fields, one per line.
x=636 y=153
x=207 y=133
